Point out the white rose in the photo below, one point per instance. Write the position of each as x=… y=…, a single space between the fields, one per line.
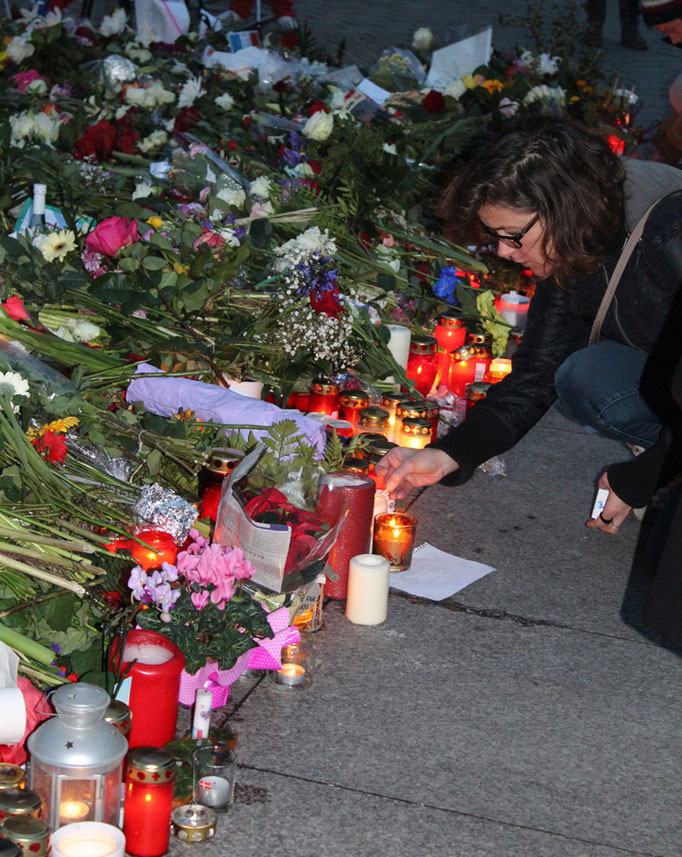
x=261 y=187
x=45 y=128
x=20 y=49
x=113 y=24
x=225 y=101
x=235 y=197
x=319 y=126
x=422 y=40
x=190 y=91
x=456 y=89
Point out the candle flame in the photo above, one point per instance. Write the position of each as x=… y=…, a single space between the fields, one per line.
x=73 y=809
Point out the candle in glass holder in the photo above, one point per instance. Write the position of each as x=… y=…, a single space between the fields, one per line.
x=422 y=365
x=324 y=397
x=415 y=432
x=351 y=402
x=450 y=334
x=412 y=409
x=298 y=662
x=220 y=464
x=148 y=803
x=477 y=391
x=341 y=428
x=462 y=370
x=374 y=420
x=158 y=548
x=88 y=839
x=368 y=580
x=394 y=539
x=389 y=402
x=499 y=368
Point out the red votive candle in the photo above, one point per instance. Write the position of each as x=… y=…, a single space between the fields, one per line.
x=324 y=397
x=422 y=364
x=155 y=684
x=351 y=496
x=148 y=801
x=221 y=462
x=450 y=334
x=351 y=402
x=158 y=548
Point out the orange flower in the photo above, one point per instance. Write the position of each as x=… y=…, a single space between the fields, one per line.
x=493 y=86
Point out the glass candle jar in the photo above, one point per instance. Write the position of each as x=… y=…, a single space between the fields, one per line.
x=88 y=839
x=422 y=364
x=11 y=776
x=394 y=535
x=351 y=402
x=374 y=420
x=477 y=391
x=213 y=773
x=31 y=835
x=389 y=402
x=158 y=548
x=221 y=462
x=324 y=397
x=150 y=773
x=20 y=802
x=298 y=664
x=432 y=413
x=450 y=334
x=342 y=428
x=499 y=368
x=415 y=432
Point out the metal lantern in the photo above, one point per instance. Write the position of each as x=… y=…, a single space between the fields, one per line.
x=76 y=758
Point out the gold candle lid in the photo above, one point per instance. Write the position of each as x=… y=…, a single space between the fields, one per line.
x=20 y=802
x=483 y=351
x=478 y=390
x=11 y=776
x=479 y=339
x=193 y=822
x=324 y=387
x=451 y=320
x=412 y=409
x=356 y=465
x=391 y=400
x=432 y=409
x=223 y=460
x=354 y=398
x=462 y=354
x=373 y=417
x=32 y=835
x=150 y=765
x=416 y=426
x=423 y=345
x=118 y=714
x=379 y=446
x=515 y=335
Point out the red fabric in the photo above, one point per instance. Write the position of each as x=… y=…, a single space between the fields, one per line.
x=37 y=709
x=280 y=8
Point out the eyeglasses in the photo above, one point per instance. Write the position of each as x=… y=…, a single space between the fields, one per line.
x=510 y=240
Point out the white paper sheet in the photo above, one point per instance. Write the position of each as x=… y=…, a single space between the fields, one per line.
x=436 y=574
x=456 y=60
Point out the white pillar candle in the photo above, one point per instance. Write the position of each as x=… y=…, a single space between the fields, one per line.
x=399 y=343
x=146 y=653
x=201 y=723
x=514 y=309
x=367 y=599
x=88 y=839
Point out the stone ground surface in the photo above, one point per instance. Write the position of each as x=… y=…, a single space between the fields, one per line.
x=527 y=716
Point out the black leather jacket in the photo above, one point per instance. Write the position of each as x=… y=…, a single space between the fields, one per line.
x=559 y=323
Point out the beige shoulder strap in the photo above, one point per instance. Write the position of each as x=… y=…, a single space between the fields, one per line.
x=635 y=235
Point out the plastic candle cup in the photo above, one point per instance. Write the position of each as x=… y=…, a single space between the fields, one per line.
x=422 y=365
x=148 y=801
x=220 y=464
x=514 y=309
x=351 y=402
x=415 y=432
x=394 y=539
x=324 y=397
x=158 y=548
x=450 y=334
x=88 y=839
x=374 y=420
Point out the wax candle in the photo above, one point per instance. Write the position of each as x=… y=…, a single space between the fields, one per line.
x=324 y=397
x=298 y=663
x=389 y=402
x=415 y=432
x=148 y=801
x=374 y=420
x=399 y=343
x=450 y=333
x=422 y=365
x=394 y=539
x=88 y=839
x=350 y=496
x=514 y=309
x=368 y=579
x=201 y=722
x=477 y=391
x=155 y=685
x=158 y=548
x=499 y=368
x=220 y=464
x=351 y=402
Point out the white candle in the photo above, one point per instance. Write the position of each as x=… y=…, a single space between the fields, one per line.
x=146 y=653
x=88 y=839
x=291 y=675
x=367 y=599
x=214 y=791
x=514 y=309
x=201 y=722
x=399 y=343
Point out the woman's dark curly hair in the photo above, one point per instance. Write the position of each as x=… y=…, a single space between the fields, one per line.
x=552 y=167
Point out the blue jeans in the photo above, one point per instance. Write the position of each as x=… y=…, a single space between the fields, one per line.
x=598 y=387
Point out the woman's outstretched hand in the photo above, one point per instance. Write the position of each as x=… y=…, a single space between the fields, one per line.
x=613 y=514
x=405 y=469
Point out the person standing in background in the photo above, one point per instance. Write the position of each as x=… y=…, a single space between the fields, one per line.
x=630 y=36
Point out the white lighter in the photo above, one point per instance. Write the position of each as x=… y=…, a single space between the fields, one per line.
x=599 y=502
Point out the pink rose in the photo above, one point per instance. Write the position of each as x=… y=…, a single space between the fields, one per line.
x=111 y=234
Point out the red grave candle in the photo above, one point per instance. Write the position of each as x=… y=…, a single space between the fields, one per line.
x=158 y=548
x=422 y=364
x=462 y=369
x=148 y=801
x=351 y=402
x=221 y=462
x=155 y=684
x=352 y=496
x=324 y=397
x=450 y=335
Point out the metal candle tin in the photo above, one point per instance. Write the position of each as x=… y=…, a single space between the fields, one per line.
x=193 y=822
x=11 y=776
x=20 y=802
x=32 y=835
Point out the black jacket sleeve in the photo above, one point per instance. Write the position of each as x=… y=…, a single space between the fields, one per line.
x=514 y=405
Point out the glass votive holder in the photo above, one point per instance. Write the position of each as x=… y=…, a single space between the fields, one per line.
x=88 y=839
x=213 y=773
x=394 y=534
x=298 y=664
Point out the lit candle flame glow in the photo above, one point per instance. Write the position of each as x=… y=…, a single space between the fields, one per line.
x=73 y=809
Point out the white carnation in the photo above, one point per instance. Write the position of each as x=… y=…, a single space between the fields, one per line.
x=319 y=126
x=422 y=40
x=225 y=101
x=191 y=90
x=232 y=196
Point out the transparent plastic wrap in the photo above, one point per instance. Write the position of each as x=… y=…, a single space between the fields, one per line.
x=15 y=358
x=120 y=468
x=275 y=518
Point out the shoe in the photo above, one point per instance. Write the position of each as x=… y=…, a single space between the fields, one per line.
x=633 y=39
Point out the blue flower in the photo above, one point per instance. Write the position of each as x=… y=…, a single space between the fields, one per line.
x=446 y=285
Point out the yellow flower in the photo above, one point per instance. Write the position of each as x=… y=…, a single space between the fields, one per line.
x=56 y=427
x=155 y=221
x=180 y=269
x=573 y=99
x=493 y=86
x=56 y=245
x=184 y=416
x=469 y=81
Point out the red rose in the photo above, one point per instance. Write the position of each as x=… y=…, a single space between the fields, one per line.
x=185 y=119
x=14 y=307
x=97 y=142
x=316 y=106
x=289 y=40
x=126 y=137
x=51 y=446
x=434 y=102
x=111 y=234
x=315 y=166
